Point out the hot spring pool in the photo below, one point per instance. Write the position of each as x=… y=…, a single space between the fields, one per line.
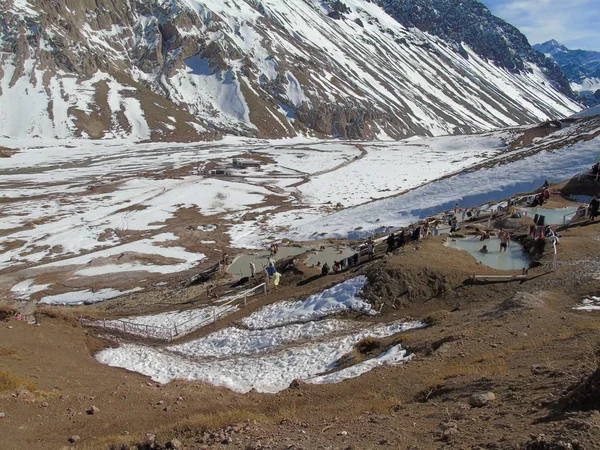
x=560 y=216
x=512 y=259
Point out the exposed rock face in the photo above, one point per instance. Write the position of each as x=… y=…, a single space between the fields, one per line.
x=194 y=69
x=582 y=68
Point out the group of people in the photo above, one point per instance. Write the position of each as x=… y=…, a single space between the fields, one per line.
x=273 y=249
x=405 y=237
x=273 y=276
x=503 y=235
x=540 y=199
x=339 y=266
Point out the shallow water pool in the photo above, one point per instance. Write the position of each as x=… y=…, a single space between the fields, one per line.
x=512 y=259
x=241 y=266
x=559 y=216
x=329 y=256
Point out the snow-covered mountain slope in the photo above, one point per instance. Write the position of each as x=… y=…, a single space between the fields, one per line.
x=582 y=67
x=190 y=69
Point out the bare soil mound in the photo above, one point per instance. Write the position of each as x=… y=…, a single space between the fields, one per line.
x=399 y=287
x=520 y=301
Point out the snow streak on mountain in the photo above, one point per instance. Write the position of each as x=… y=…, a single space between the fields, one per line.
x=582 y=67
x=193 y=69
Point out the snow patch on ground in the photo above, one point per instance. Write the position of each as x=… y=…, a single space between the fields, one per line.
x=25 y=289
x=86 y=297
x=341 y=297
x=589 y=304
x=168 y=324
x=271 y=372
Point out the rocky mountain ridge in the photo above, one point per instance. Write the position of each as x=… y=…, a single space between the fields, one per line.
x=197 y=69
x=582 y=67
x=470 y=22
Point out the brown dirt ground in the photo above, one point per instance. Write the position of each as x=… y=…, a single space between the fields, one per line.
x=528 y=356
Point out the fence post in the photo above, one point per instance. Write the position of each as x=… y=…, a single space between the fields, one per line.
x=146 y=330
x=104 y=323
x=214 y=311
x=265 y=288
x=124 y=327
x=176 y=331
x=171 y=334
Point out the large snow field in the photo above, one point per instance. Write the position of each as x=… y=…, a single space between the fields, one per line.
x=268 y=371
x=312 y=159
x=388 y=169
x=469 y=188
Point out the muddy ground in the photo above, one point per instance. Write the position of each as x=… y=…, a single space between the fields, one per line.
x=520 y=340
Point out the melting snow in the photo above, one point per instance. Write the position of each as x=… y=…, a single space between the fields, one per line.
x=341 y=297
x=589 y=304
x=271 y=372
x=85 y=297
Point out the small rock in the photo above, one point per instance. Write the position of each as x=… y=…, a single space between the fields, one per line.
x=297 y=383
x=9 y=327
x=93 y=410
x=175 y=444
x=448 y=425
x=2 y=415
x=378 y=418
x=44 y=404
x=179 y=399
x=160 y=402
x=449 y=432
x=343 y=433
x=74 y=439
x=481 y=399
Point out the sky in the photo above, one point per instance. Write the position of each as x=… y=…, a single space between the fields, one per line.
x=574 y=23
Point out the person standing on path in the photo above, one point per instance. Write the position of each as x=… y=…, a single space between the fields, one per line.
x=453 y=224
x=391 y=243
x=252 y=269
x=593 y=208
x=276 y=279
x=371 y=249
